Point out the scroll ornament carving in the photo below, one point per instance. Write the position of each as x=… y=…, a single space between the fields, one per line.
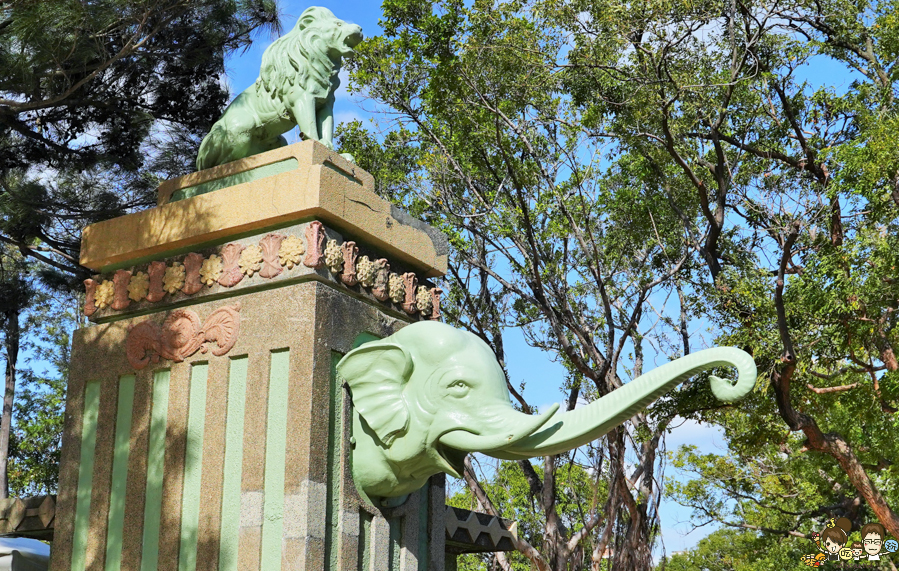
x=334 y=257
x=291 y=252
x=409 y=303
x=90 y=297
x=157 y=275
x=192 y=264
x=182 y=334
x=379 y=287
x=350 y=251
x=315 y=238
x=120 y=296
x=231 y=272
x=271 y=266
x=435 y=303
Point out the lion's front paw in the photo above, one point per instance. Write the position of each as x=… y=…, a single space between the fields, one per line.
x=348 y=157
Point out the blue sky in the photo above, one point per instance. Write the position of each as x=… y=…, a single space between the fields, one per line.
x=531 y=366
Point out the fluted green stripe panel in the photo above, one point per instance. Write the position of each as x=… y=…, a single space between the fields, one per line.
x=193 y=463
x=275 y=459
x=122 y=446
x=237 y=399
x=85 y=474
x=155 y=462
x=335 y=432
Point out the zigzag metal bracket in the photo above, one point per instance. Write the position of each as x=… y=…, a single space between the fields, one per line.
x=471 y=532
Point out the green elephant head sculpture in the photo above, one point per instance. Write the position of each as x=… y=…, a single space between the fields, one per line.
x=429 y=394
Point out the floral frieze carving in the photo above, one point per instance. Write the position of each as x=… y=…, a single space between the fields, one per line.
x=270 y=257
x=181 y=335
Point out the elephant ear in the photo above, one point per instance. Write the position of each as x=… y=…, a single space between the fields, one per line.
x=376 y=373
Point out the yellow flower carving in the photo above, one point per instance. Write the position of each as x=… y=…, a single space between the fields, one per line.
x=423 y=300
x=365 y=270
x=396 y=288
x=105 y=293
x=334 y=257
x=173 y=280
x=250 y=260
x=291 y=252
x=211 y=270
x=138 y=286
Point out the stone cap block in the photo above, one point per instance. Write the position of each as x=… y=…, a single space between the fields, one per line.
x=307 y=182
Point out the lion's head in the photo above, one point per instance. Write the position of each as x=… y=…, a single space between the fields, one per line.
x=310 y=52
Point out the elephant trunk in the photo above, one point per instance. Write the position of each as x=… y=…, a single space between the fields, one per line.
x=569 y=430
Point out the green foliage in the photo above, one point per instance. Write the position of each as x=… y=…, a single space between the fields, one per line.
x=592 y=160
x=85 y=82
x=36 y=440
x=732 y=550
x=508 y=489
x=38 y=416
x=99 y=101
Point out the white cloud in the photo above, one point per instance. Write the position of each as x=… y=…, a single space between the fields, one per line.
x=346 y=115
x=708 y=438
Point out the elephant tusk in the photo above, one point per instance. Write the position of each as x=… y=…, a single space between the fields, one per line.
x=509 y=427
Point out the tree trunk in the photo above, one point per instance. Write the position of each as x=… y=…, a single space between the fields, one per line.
x=12 y=334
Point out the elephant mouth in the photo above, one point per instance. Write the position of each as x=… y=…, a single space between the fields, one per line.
x=453 y=460
x=499 y=428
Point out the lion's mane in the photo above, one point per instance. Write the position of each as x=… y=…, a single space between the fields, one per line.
x=306 y=42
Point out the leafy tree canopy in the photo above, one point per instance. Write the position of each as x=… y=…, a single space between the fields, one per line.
x=99 y=100
x=615 y=176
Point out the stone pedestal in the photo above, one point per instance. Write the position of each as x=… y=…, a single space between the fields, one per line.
x=205 y=429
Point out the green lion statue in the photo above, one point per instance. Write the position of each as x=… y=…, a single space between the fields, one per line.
x=295 y=88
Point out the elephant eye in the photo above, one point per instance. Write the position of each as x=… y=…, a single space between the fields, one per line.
x=458 y=385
